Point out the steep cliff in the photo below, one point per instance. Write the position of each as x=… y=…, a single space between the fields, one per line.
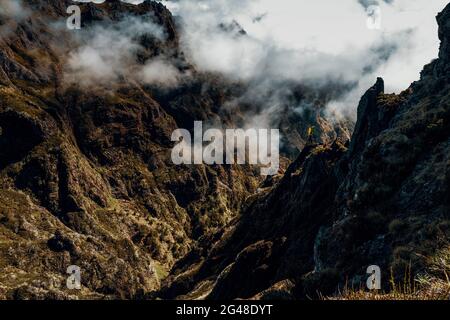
x=86 y=175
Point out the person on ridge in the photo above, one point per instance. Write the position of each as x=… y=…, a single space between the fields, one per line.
x=310 y=134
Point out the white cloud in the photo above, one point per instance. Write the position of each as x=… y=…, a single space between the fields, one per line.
x=107 y=52
x=160 y=72
x=13 y=10
x=101 y=1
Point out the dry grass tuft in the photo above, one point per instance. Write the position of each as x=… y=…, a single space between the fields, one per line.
x=432 y=285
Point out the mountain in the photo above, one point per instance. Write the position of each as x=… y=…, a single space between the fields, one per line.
x=86 y=177
x=382 y=199
x=86 y=174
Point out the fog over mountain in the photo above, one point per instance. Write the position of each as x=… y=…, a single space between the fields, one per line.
x=309 y=42
x=312 y=41
x=358 y=89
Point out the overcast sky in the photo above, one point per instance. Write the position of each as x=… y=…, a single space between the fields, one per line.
x=324 y=26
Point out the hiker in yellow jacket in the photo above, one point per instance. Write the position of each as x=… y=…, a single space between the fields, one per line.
x=310 y=134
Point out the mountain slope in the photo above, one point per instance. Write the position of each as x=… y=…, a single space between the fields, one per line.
x=86 y=176
x=85 y=171
x=381 y=200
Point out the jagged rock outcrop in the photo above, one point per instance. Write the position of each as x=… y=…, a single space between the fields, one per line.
x=444 y=35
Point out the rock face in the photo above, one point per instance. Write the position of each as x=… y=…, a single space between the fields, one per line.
x=382 y=200
x=85 y=172
x=86 y=176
